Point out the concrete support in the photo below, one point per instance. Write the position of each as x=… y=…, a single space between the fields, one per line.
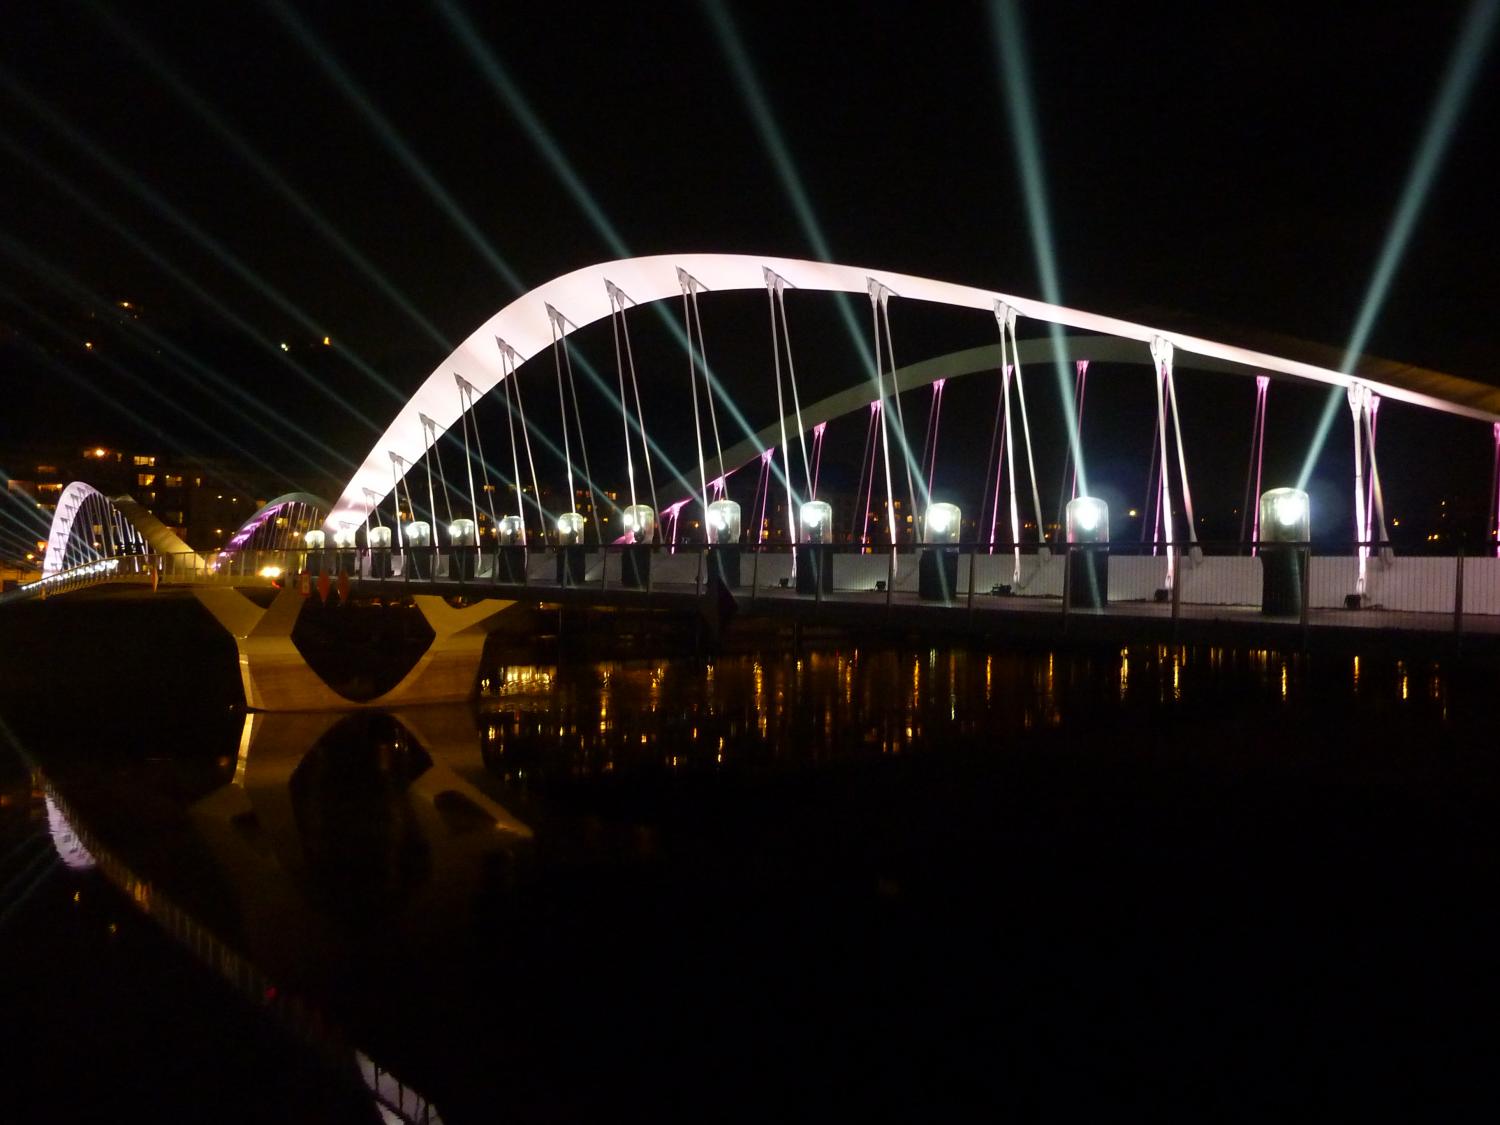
x=277 y=678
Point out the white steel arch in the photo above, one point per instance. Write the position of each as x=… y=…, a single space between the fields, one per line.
x=81 y=499
x=583 y=297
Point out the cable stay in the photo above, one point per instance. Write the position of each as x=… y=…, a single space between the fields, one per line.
x=399 y=468
x=1005 y=319
x=563 y=361
x=763 y=492
x=867 y=464
x=690 y=286
x=430 y=433
x=1069 y=489
x=928 y=464
x=890 y=359
x=1167 y=409
x=466 y=399
x=879 y=298
x=1250 y=511
x=775 y=285
x=1369 y=506
x=626 y=357
x=817 y=466
x=510 y=361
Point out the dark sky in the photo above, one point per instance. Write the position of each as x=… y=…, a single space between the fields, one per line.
x=1205 y=164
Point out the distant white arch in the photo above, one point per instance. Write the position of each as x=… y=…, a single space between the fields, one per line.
x=582 y=297
x=82 y=499
x=266 y=512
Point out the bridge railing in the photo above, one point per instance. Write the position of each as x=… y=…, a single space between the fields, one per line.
x=1207 y=580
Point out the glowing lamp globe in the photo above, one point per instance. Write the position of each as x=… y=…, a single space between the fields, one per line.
x=1088 y=520
x=314 y=540
x=419 y=534
x=379 y=538
x=640 y=523
x=510 y=530
x=1285 y=516
x=724 y=522
x=569 y=529
x=817 y=522
x=345 y=538
x=943 y=523
x=461 y=533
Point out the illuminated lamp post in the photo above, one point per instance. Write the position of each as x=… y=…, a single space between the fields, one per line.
x=937 y=565
x=814 y=552
x=346 y=546
x=379 y=542
x=1088 y=553
x=571 y=559
x=419 y=550
x=724 y=542
x=640 y=531
x=510 y=559
x=314 y=560
x=463 y=549
x=1285 y=528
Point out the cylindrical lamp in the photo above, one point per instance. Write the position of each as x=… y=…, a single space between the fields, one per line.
x=640 y=523
x=724 y=522
x=943 y=524
x=511 y=530
x=1087 y=521
x=1285 y=526
x=817 y=522
x=569 y=529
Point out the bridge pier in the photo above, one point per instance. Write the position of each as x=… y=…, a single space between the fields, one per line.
x=276 y=676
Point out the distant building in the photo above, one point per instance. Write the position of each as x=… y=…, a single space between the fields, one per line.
x=203 y=500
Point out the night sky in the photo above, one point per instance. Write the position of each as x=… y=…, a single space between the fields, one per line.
x=1223 y=169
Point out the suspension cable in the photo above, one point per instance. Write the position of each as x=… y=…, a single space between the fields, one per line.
x=554 y=316
x=616 y=310
x=877 y=299
x=1036 y=496
x=466 y=411
x=708 y=381
x=773 y=281
x=1160 y=351
x=890 y=358
x=786 y=337
x=510 y=356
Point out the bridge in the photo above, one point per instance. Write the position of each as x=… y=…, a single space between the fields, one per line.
x=466 y=537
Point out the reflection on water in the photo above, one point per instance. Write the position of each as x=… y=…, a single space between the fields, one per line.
x=409 y=873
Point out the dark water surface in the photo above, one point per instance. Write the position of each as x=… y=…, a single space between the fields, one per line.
x=865 y=883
